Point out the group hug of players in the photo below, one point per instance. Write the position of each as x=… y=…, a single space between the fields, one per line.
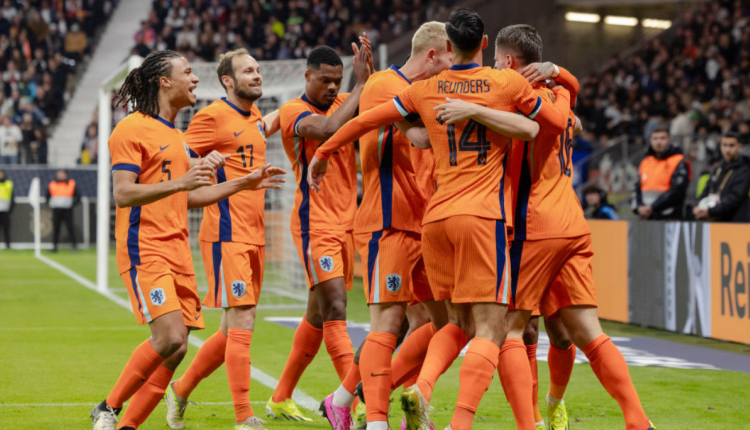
x=469 y=228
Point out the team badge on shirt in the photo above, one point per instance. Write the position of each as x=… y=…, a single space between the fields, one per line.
x=187 y=150
x=157 y=296
x=326 y=263
x=261 y=129
x=238 y=289
x=393 y=282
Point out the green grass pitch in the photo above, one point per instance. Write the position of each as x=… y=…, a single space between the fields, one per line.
x=63 y=346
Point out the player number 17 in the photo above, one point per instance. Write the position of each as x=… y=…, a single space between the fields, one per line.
x=241 y=151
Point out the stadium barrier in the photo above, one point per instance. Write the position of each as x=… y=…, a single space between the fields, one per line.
x=686 y=277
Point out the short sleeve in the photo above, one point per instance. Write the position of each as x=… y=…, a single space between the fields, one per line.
x=125 y=150
x=200 y=136
x=524 y=97
x=290 y=115
x=406 y=102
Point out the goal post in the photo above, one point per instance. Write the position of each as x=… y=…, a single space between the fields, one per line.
x=284 y=283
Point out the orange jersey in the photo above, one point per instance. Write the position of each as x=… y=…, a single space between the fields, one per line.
x=391 y=191
x=469 y=158
x=225 y=128
x=156 y=151
x=545 y=205
x=334 y=207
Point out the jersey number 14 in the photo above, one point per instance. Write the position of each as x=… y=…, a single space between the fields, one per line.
x=480 y=146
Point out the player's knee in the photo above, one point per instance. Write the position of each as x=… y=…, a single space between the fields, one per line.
x=530 y=335
x=168 y=344
x=315 y=319
x=178 y=355
x=335 y=310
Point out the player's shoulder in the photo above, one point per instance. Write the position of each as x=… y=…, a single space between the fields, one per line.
x=132 y=124
x=209 y=112
x=294 y=104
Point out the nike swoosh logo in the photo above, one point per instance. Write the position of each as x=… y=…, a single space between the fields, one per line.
x=196 y=318
x=308 y=355
x=162 y=149
x=237 y=134
x=379 y=374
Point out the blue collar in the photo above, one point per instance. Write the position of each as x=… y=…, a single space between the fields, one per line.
x=464 y=66
x=240 y=111
x=397 y=70
x=165 y=122
x=313 y=104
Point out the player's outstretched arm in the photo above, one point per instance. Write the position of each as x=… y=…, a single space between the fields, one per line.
x=384 y=114
x=536 y=72
x=128 y=193
x=272 y=123
x=554 y=117
x=415 y=132
x=265 y=177
x=506 y=123
x=321 y=127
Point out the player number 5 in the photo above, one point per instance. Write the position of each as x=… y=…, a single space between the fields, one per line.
x=165 y=169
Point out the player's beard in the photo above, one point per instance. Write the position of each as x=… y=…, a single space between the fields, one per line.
x=246 y=94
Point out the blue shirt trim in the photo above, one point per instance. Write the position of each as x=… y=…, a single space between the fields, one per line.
x=233 y=106
x=397 y=70
x=126 y=166
x=165 y=122
x=315 y=105
x=464 y=66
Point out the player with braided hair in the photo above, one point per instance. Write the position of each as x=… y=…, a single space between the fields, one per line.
x=153 y=186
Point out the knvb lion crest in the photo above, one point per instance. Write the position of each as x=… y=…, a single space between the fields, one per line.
x=238 y=289
x=261 y=129
x=393 y=282
x=326 y=263
x=157 y=296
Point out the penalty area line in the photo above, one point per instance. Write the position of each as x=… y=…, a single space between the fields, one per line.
x=299 y=396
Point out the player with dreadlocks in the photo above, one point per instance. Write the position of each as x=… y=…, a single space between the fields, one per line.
x=153 y=187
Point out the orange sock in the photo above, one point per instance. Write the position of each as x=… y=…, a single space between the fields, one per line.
x=375 y=363
x=143 y=362
x=413 y=376
x=145 y=400
x=442 y=352
x=515 y=375
x=411 y=354
x=531 y=353
x=237 y=359
x=209 y=357
x=305 y=346
x=560 y=364
x=476 y=374
x=339 y=346
x=610 y=367
x=352 y=378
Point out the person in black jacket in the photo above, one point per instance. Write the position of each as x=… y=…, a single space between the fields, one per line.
x=663 y=179
x=597 y=205
x=725 y=196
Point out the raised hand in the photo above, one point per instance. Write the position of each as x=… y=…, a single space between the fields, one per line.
x=265 y=177
x=454 y=111
x=363 y=67
x=316 y=172
x=200 y=175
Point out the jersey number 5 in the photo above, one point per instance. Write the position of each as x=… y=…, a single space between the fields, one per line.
x=480 y=146
x=566 y=146
x=241 y=151
x=165 y=169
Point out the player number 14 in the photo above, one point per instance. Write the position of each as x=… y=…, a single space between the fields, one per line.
x=241 y=151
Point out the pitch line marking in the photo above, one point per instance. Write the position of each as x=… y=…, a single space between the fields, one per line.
x=299 y=396
x=56 y=405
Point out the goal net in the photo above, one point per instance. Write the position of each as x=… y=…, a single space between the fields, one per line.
x=284 y=284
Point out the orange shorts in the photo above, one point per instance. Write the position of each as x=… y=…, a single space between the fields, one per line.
x=234 y=271
x=394 y=270
x=551 y=274
x=155 y=289
x=326 y=255
x=467 y=259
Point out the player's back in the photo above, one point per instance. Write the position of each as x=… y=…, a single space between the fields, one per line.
x=469 y=157
x=391 y=193
x=224 y=127
x=334 y=207
x=155 y=150
x=545 y=205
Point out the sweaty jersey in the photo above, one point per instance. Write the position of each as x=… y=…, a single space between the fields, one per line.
x=392 y=195
x=224 y=127
x=334 y=207
x=545 y=206
x=469 y=157
x=156 y=151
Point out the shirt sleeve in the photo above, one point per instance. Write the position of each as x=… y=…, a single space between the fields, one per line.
x=200 y=136
x=384 y=114
x=567 y=80
x=290 y=115
x=125 y=150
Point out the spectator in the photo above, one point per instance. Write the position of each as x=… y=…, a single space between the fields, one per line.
x=27 y=131
x=10 y=141
x=76 y=43
x=90 y=145
x=597 y=206
x=725 y=196
x=6 y=206
x=664 y=176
